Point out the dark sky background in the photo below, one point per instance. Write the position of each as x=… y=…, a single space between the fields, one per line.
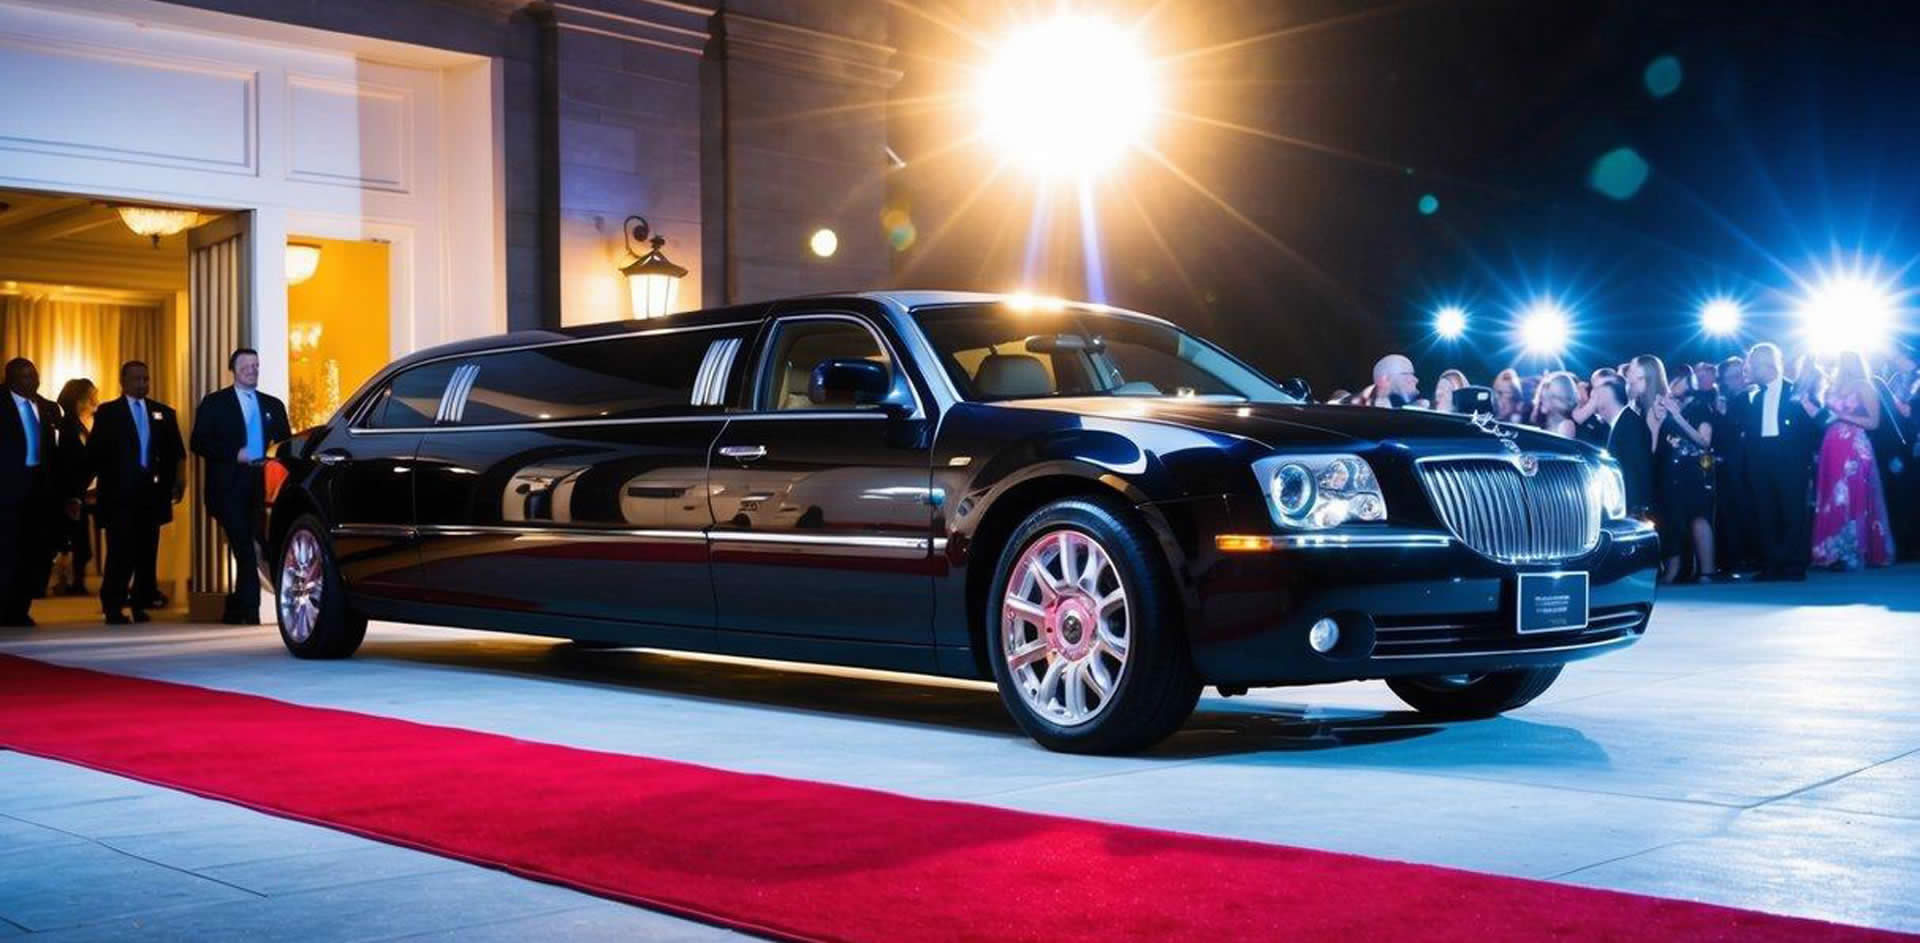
x=1794 y=133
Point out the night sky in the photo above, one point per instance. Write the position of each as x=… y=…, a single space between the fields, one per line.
x=1793 y=133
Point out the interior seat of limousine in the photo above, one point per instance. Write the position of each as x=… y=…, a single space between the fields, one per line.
x=1012 y=375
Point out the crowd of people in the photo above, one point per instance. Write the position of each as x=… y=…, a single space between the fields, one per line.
x=67 y=463
x=1744 y=465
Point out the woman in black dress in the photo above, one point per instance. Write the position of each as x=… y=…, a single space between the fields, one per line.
x=78 y=399
x=1683 y=454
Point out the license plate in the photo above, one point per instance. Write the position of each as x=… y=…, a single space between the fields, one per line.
x=1552 y=602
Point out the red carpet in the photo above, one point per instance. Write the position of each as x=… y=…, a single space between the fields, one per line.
x=789 y=858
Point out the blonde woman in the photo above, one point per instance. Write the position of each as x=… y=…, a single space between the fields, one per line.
x=1443 y=388
x=1553 y=404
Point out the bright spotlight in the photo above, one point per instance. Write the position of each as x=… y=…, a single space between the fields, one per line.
x=1450 y=322
x=824 y=243
x=1545 y=328
x=1848 y=312
x=1067 y=96
x=1721 y=317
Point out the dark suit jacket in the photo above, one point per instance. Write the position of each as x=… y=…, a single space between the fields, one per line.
x=1799 y=432
x=220 y=431
x=125 y=487
x=1631 y=444
x=15 y=479
x=76 y=469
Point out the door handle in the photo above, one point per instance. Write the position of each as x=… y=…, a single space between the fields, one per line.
x=744 y=453
x=331 y=457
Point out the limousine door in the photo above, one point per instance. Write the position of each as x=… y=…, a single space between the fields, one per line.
x=571 y=481
x=822 y=520
x=369 y=482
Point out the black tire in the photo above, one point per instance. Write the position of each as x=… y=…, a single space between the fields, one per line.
x=1157 y=688
x=336 y=630
x=1452 y=697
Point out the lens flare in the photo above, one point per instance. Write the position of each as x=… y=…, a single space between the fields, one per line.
x=1545 y=328
x=1450 y=322
x=1721 y=317
x=1068 y=96
x=1848 y=311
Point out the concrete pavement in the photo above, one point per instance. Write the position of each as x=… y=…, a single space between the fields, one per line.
x=1758 y=749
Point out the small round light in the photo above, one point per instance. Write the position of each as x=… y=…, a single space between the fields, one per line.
x=824 y=243
x=1450 y=322
x=1324 y=635
x=1369 y=507
x=1338 y=476
x=1293 y=489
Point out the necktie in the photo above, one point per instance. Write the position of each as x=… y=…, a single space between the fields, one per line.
x=256 y=439
x=139 y=408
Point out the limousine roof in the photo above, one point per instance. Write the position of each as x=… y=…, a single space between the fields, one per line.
x=902 y=300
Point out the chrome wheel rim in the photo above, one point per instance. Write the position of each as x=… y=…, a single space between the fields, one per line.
x=1066 y=627
x=300 y=586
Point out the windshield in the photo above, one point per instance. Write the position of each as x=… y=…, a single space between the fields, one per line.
x=994 y=352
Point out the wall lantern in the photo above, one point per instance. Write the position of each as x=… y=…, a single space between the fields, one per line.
x=303 y=258
x=156 y=221
x=653 y=281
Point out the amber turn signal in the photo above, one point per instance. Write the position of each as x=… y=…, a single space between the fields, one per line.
x=1240 y=543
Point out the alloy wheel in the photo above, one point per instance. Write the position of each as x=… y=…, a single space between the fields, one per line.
x=301 y=585
x=1066 y=627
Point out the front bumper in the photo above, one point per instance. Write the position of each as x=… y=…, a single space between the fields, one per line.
x=1408 y=602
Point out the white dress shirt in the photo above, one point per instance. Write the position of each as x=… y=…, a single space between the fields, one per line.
x=1770 y=409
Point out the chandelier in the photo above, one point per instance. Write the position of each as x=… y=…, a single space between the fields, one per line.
x=156 y=221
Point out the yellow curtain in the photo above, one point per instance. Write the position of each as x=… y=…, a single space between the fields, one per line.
x=68 y=339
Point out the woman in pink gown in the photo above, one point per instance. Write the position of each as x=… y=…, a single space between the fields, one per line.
x=1850 y=524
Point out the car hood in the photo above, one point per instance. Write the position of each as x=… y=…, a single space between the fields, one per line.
x=1293 y=426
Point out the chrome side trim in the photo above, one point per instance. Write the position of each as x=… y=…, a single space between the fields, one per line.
x=1416 y=541
x=1511 y=651
x=463 y=378
x=710 y=384
x=822 y=540
x=558 y=533
x=567 y=423
x=373 y=530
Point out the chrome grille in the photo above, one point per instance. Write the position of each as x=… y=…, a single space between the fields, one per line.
x=1496 y=509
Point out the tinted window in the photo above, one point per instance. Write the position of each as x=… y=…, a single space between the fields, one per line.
x=800 y=345
x=612 y=379
x=413 y=398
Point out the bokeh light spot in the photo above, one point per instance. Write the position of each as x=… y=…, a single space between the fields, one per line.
x=824 y=243
x=1429 y=205
x=1618 y=174
x=1663 y=76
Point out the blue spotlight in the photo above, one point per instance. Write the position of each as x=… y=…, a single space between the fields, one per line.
x=1450 y=322
x=1721 y=317
x=1545 y=328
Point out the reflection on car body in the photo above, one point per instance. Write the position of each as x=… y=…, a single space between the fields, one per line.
x=1096 y=510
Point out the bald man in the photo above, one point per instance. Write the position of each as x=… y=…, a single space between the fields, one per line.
x=1394 y=382
x=1780 y=439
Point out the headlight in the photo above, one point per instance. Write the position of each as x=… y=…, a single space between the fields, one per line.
x=1608 y=489
x=1315 y=492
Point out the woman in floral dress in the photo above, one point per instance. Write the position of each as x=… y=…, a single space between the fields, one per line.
x=1850 y=525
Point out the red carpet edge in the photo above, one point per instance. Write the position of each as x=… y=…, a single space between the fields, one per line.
x=790 y=858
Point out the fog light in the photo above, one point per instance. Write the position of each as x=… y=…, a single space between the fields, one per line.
x=1324 y=635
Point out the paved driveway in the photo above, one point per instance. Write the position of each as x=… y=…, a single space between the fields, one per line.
x=1761 y=748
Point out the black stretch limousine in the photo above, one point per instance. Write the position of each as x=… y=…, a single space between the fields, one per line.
x=1091 y=507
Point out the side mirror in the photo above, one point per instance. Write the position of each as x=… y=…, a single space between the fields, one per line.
x=845 y=381
x=1298 y=388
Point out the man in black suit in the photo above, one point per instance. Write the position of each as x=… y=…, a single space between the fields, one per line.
x=1631 y=442
x=30 y=505
x=1781 y=435
x=136 y=451
x=232 y=428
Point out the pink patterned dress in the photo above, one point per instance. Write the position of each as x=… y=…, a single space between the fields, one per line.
x=1850 y=524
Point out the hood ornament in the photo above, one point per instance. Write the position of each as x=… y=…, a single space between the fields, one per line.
x=1487 y=424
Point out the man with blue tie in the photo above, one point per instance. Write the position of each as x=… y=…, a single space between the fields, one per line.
x=232 y=428
x=29 y=506
x=136 y=451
